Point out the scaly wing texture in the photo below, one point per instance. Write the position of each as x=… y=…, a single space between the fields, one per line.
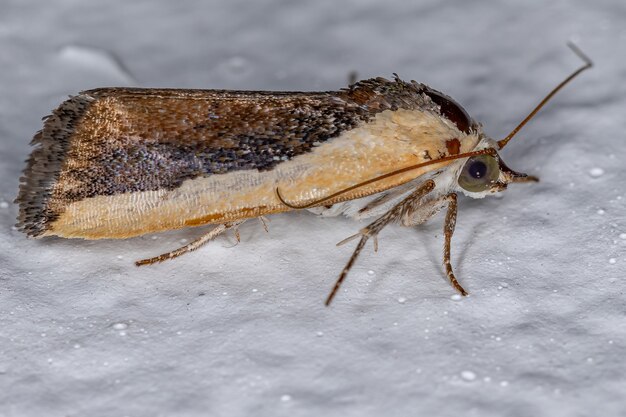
x=121 y=147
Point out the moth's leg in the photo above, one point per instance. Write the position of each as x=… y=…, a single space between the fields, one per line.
x=371 y=207
x=424 y=212
x=207 y=237
x=427 y=211
x=265 y=221
x=395 y=214
x=448 y=230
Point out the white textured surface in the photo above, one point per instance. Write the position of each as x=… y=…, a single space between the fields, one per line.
x=232 y=331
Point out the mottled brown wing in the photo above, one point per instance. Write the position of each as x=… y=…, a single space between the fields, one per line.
x=118 y=140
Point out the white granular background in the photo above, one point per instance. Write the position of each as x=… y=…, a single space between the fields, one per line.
x=240 y=329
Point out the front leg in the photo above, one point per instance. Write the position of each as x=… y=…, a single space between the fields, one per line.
x=448 y=230
x=428 y=210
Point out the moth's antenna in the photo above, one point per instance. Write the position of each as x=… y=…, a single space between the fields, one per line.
x=489 y=151
x=588 y=64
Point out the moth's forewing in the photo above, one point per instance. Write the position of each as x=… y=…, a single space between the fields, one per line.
x=116 y=163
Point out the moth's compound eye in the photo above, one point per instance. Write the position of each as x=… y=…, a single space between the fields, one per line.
x=479 y=173
x=451 y=110
x=477 y=169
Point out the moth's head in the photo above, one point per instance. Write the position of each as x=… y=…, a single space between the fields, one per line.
x=481 y=174
x=487 y=174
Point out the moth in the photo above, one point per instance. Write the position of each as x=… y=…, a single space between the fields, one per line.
x=114 y=163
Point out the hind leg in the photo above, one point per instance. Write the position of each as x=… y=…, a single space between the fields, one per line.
x=205 y=238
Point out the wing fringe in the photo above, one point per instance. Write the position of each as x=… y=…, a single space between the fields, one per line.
x=36 y=213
